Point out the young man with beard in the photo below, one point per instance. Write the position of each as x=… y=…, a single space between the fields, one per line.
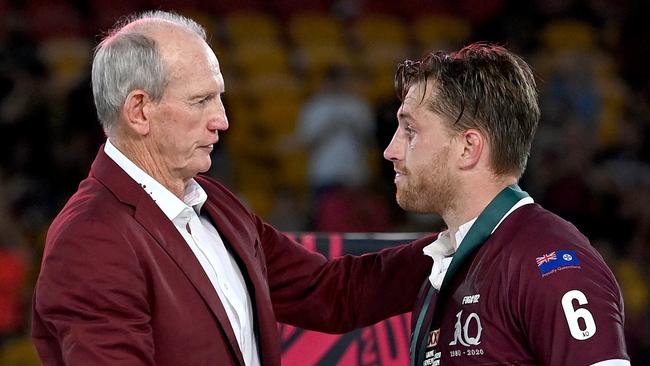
x=511 y=283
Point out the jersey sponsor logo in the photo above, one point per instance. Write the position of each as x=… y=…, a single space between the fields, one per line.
x=433 y=338
x=467 y=336
x=467 y=332
x=557 y=260
x=471 y=299
x=432 y=356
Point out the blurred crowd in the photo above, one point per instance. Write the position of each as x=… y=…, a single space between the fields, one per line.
x=309 y=95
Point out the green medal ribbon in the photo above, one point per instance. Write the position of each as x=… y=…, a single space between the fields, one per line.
x=477 y=235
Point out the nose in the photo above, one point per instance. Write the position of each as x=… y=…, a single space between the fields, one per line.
x=218 y=119
x=395 y=149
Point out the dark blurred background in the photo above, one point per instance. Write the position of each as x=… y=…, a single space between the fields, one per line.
x=311 y=107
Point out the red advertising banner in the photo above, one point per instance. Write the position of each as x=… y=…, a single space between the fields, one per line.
x=383 y=344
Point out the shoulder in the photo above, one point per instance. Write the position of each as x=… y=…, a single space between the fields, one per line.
x=532 y=231
x=546 y=254
x=534 y=221
x=92 y=231
x=91 y=204
x=547 y=258
x=557 y=280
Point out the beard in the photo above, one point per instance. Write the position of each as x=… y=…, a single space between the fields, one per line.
x=428 y=190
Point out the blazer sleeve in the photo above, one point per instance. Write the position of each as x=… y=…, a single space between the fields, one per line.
x=344 y=293
x=91 y=295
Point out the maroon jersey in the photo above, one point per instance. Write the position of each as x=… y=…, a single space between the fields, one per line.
x=536 y=293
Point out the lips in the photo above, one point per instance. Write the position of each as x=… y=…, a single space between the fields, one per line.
x=399 y=174
x=208 y=146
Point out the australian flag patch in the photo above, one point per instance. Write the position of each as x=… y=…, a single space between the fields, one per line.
x=557 y=260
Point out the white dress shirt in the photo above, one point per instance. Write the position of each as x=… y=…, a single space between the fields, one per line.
x=208 y=247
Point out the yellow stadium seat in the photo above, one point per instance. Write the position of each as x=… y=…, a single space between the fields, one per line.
x=615 y=97
x=315 y=29
x=207 y=21
x=381 y=57
x=380 y=29
x=67 y=59
x=252 y=59
x=279 y=114
x=252 y=26
x=275 y=85
x=246 y=138
x=256 y=187
x=316 y=59
x=441 y=32
x=380 y=85
x=19 y=352
x=569 y=35
x=292 y=171
x=634 y=286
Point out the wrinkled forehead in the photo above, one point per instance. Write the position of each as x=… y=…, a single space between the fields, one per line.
x=213 y=61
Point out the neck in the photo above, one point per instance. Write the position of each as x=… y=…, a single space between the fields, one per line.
x=472 y=199
x=151 y=163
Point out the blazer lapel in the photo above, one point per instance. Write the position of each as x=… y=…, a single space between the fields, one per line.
x=151 y=217
x=166 y=235
x=245 y=244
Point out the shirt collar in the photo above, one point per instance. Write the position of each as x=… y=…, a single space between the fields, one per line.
x=464 y=228
x=462 y=231
x=194 y=195
x=459 y=235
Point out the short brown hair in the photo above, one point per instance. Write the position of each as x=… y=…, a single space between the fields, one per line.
x=482 y=86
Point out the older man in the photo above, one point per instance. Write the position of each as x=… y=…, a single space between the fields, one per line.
x=511 y=283
x=150 y=264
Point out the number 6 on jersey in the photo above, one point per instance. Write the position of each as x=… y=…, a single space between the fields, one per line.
x=574 y=314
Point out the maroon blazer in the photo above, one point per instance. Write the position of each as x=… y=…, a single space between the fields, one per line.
x=119 y=285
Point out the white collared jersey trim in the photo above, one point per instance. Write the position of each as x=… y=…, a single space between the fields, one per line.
x=612 y=363
x=522 y=202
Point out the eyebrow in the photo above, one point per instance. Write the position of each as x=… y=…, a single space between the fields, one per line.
x=202 y=95
x=405 y=115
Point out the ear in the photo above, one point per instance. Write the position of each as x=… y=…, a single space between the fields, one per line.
x=136 y=112
x=472 y=143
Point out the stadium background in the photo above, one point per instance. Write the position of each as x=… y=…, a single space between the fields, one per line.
x=589 y=163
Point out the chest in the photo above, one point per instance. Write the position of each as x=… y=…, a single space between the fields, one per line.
x=476 y=322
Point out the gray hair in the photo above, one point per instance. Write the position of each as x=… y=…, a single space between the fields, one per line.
x=128 y=59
